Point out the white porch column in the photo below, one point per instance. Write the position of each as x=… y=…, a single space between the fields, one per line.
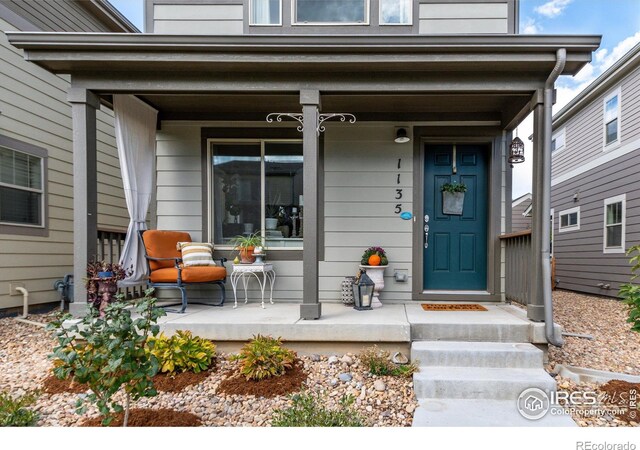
x=535 y=308
x=311 y=307
x=85 y=190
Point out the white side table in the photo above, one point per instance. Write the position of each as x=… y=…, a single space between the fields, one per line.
x=245 y=271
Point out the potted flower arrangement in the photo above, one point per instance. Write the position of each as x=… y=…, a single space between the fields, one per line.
x=453 y=198
x=374 y=260
x=102 y=282
x=246 y=245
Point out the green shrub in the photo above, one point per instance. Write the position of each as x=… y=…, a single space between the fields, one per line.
x=108 y=353
x=14 y=412
x=307 y=411
x=630 y=292
x=265 y=357
x=379 y=363
x=182 y=352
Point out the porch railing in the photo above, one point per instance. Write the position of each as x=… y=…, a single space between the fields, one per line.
x=110 y=243
x=518 y=266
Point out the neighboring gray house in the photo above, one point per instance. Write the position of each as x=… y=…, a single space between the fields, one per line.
x=454 y=76
x=36 y=183
x=521 y=213
x=596 y=181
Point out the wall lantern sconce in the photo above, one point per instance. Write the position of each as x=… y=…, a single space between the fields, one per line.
x=401 y=136
x=516 y=151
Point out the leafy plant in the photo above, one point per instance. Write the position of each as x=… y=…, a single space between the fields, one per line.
x=14 y=411
x=379 y=363
x=109 y=353
x=182 y=352
x=371 y=251
x=453 y=187
x=307 y=411
x=245 y=242
x=265 y=357
x=630 y=292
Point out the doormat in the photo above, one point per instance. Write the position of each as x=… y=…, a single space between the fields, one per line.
x=453 y=307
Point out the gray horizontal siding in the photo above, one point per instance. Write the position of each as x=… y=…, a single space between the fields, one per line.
x=56 y=15
x=464 y=17
x=198 y=19
x=35 y=111
x=581 y=263
x=518 y=221
x=584 y=131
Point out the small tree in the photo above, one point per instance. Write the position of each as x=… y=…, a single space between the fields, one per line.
x=108 y=353
x=630 y=292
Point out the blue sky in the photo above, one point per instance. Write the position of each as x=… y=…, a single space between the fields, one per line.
x=618 y=21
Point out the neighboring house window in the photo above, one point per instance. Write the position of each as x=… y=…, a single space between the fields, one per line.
x=396 y=12
x=614 y=224
x=612 y=118
x=265 y=12
x=558 y=141
x=257 y=187
x=22 y=188
x=341 y=12
x=569 y=220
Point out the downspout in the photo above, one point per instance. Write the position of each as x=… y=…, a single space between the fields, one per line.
x=545 y=201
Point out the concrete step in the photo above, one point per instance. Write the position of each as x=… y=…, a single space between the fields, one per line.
x=479 y=382
x=482 y=413
x=497 y=324
x=476 y=354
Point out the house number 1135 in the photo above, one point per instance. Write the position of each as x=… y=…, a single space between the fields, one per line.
x=398 y=196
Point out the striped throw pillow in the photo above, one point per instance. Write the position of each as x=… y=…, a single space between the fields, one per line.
x=196 y=253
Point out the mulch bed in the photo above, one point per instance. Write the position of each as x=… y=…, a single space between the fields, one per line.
x=177 y=382
x=288 y=383
x=452 y=307
x=150 y=418
x=619 y=393
x=54 y=385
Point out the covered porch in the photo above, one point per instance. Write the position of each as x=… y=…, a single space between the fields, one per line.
x=449 y=89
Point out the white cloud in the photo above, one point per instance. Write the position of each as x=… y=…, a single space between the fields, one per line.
x=530 y=26
x=552 y=8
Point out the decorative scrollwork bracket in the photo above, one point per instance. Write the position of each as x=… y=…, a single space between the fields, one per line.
x=279 y=116
x=320 y=128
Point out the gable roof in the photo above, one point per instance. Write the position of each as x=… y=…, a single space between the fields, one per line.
x=521 y=199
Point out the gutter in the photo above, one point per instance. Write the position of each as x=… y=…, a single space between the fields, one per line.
x=545 y=201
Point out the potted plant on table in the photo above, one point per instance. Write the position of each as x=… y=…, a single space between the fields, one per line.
x=453 y=198
x=102 y=282
x=374 y=260
x=246 y=246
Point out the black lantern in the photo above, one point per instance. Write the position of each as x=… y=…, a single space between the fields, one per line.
x=516 y=151
x=363 y=292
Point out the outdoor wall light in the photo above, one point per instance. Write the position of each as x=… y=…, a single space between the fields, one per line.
x=401 y=136
x=516 y=151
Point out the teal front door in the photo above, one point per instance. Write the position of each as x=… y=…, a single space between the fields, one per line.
x=455 y=246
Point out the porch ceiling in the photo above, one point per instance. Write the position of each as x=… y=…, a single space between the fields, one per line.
x=370 y=106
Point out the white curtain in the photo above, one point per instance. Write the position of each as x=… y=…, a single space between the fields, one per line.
x=136 y=139
x=261 y=12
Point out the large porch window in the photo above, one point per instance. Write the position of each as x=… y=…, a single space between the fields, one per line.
x=256 y=186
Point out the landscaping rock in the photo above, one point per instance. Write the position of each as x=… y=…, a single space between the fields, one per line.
x=379 y=385
x=315 y=358
x=345 y=377
x=333 y=359
x=346 y=359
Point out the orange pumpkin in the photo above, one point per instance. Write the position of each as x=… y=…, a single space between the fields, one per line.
x=374 y=260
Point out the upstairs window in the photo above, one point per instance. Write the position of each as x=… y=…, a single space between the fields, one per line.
x=21 y=188
x=612 y=118
x=558 y=141
x=324 y=12
x=396 y=12
x=265 y=12
x=614 y=224
x=569 y=220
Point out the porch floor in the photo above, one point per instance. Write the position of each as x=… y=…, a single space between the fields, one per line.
x=392 y=324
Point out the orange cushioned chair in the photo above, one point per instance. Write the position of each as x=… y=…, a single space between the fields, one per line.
x=165 y=264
